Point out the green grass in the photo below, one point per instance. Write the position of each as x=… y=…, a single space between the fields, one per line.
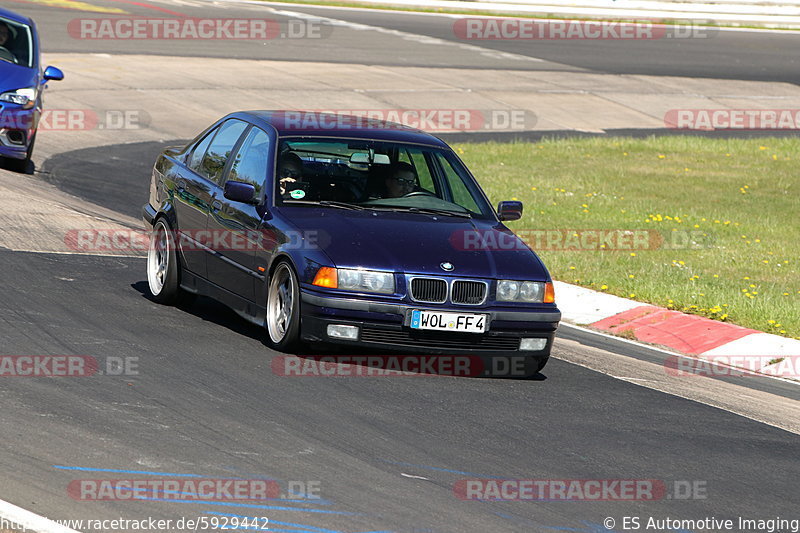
x=740 y=197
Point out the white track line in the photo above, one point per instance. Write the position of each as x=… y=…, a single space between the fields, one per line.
x=414 y=37
x=142 y=255
x=267 y=3
x=674 y=354
x=30 y=521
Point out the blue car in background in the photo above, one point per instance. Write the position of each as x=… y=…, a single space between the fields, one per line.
x=332 y=229
x=22 y=81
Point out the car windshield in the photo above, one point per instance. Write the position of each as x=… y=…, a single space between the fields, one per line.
x=16 y=44
x=356 y=173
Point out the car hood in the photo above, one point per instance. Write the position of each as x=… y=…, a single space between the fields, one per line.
x=418 y=243
x=13 y=77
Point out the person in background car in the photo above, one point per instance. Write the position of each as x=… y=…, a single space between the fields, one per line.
x=5 y=40
x=401 y=180
x=7 y=35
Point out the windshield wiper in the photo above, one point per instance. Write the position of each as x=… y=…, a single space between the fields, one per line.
x=328 y=203
x=342 y=205
x=432 y=211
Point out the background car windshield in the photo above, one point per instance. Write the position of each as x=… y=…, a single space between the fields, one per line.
x=376 y=174
x=17 y=45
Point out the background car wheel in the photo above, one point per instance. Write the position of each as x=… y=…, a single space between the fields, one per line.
x=162 y=265
x=283 y=309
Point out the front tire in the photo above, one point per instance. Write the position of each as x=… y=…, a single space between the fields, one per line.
x=283 y=309
x=162 y=265
x=22 y=166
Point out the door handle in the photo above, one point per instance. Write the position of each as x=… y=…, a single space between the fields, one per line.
x=181 y=185
x=216 y=205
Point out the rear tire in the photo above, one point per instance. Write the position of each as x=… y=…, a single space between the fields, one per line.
x=283 y=309
x=163 y=269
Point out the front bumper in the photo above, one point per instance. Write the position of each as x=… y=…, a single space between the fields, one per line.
x=386 y=326
x=17 y=127
x=14 y=152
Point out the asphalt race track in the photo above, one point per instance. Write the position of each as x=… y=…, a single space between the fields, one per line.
x=206 y=402
x=200 y=397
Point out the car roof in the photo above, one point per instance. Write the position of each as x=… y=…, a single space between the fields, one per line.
x=16 y=17
x=318 y=124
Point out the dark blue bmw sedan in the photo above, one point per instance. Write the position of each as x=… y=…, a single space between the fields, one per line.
x=333 y=229
x=22 y=81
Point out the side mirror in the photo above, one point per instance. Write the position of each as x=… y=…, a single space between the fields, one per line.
x=53 y=73
x=238 y=191
x=509 y=210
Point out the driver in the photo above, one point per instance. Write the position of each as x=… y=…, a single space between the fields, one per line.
x=4 y=33
x=290 y=170
x=401 y=180
x=5 y=39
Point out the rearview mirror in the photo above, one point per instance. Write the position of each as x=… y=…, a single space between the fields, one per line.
x=362 y=158
x=53 y=73
x=238 y=191
x=511 y=210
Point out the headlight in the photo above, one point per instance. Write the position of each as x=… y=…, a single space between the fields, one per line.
x=24 y=97
x=357 y=280
x=507 y=291
x=525 y=291
x=366 y=281
x=531 y=291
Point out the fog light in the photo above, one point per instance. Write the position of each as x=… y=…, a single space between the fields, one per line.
x=337 y=331
x=531 y=345
x=16 y=136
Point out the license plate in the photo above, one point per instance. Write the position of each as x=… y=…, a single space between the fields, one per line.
x=436 y=320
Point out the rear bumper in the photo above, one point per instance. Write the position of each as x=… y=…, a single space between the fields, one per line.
x=386 y=326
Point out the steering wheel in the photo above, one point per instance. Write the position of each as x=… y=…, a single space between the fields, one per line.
x=417 y=193
x=6 y=54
